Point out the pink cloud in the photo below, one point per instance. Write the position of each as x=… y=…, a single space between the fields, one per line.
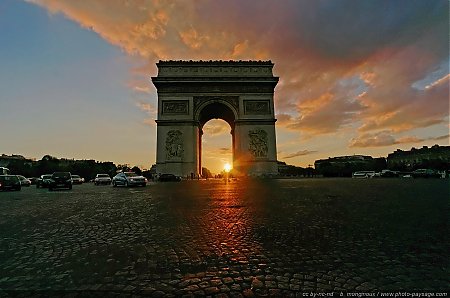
x=386 y=138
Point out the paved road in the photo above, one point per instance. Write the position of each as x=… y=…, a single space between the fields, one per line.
x=242 y=238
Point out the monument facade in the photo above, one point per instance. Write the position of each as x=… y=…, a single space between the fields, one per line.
x=190 y=93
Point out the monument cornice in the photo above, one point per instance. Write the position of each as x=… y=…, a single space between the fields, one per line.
x=214 y=69
x=204 y=79
x=216 y=86
x=214 y=63
x=176 y=122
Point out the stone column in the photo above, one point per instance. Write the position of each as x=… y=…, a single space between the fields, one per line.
x=177 y=150
x=255 y=148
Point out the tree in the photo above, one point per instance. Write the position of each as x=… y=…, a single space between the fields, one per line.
x=206 y=173
x=123 y=167
x=137 y=170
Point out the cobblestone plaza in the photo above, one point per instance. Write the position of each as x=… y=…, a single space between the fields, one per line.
x=239 y=238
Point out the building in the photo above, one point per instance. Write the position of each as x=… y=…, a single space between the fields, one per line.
x=344 y=166
x=290 y=170
x=436 y=157
x=6 y=160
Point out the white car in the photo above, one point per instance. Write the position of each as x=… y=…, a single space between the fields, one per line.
x=363 y=174
x=24 y=181
x=102 y=179
x=129 y=179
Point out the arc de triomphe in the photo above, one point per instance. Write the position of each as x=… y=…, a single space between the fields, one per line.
x=190 y=93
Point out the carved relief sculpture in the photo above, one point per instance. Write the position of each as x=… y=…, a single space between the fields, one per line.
x=175 y=107
x=256 y=107
x=258 y=143
x=174 y=145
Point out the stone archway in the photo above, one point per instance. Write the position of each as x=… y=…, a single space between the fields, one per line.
x=190 y=93
x=215 y=109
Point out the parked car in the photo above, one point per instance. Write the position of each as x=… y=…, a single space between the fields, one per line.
x=60 y=180
x=43 y=181
x=169 y=178
x=389 y=174
x=10 y=182
x=76 y=179
x=425 y=173
x=102 y=179
x=363 y=174
x=33 y=180
x=4 y=171
x=24 y=181
x=129 y=179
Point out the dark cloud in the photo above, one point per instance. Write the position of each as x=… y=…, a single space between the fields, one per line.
x=299 y=153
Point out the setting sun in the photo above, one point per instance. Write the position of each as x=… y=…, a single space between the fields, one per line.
x=227 y=167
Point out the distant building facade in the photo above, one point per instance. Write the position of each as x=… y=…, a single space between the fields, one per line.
x=435 y=157
x=344 y=166
x=6 y=160
x=290 y=170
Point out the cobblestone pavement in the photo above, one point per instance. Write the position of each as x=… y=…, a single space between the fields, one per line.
x=235 y=239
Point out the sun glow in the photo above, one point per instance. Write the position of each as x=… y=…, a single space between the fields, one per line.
x=227 y=167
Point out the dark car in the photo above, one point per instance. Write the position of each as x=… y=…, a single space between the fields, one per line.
x=76 y=179
x=169 y=178
x=129 y=179
x=60 y=180
x=102 y=179
x=388 y=174
x=43 y=181
x=33 y=180
x=10 y=182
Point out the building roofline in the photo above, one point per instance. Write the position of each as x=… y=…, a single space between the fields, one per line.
x=214 y=62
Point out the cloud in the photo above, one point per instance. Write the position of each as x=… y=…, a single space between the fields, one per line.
x=299 y=153
x=440 y=81
x=147 y=107
x=224 y=150
x=215 y=128
x=214 y=153
x=444 y=137
x=342 y=64
x=150 y=110
x=386 y=138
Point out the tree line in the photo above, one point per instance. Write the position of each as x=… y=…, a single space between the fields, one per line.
x=87 y=169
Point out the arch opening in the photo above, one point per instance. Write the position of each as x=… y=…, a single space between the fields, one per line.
x=216 y=110
x=217 y=115
x=216 y=147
